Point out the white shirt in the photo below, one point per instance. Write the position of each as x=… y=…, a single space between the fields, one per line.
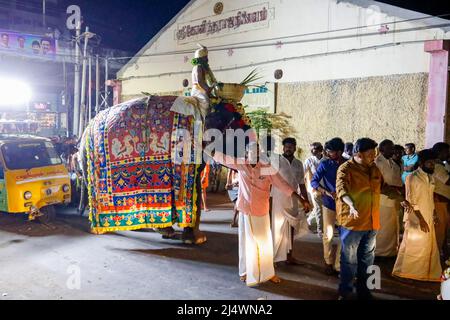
x=392 y=175
x=294 y=175
x=297 y=170
x=311 y=164
x=391 y=172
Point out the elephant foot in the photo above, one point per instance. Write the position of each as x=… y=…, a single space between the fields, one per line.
x=193 y=237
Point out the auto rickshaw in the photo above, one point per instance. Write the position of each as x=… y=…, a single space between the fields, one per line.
x=33 y=178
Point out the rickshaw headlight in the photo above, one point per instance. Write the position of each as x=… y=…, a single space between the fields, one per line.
x=65 y=188
x=27 y=195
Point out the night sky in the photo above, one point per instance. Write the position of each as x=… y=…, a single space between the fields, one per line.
x=129 y=25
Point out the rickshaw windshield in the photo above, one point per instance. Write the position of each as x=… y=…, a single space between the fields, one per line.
x=28 y=155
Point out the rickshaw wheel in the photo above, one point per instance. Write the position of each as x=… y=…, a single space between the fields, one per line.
x=48 y=214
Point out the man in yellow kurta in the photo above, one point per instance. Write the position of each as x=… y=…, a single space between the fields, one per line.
x=418 y=257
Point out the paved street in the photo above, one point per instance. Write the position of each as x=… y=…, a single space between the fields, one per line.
x=37 y=261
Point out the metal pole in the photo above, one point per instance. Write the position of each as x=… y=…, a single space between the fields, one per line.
x=83 y=85
x=106 y=84
x=76 y=96
x=66 y=100
x=44 y=9
x=97 y=85
x=90 y=90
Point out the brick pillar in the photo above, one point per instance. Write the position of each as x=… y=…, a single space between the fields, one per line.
x=437 y=91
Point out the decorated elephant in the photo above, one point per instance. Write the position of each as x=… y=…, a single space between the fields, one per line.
x=142 y=164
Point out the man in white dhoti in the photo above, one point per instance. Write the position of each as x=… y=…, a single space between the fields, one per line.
x=287 y=218
x=203 y=84
x=256 y=176
x=388 y=236
x=418 y=257
x=203 y=80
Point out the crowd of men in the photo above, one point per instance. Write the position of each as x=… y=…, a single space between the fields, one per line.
x=372 y=194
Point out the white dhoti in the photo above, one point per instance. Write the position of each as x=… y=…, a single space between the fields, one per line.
x=255 y=249
x=389 y=234
x=288 y=223
x=282 y=235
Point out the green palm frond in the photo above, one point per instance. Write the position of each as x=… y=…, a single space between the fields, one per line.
x=252 y=77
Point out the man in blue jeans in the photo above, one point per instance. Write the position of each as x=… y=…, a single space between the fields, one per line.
x=358 y=189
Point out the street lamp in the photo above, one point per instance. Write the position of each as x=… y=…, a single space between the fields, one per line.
x=14 y=93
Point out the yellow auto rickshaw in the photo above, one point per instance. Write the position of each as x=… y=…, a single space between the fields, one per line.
x=33 y=178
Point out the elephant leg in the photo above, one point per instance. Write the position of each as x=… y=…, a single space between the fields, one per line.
x=83 y=198
x=194 y=235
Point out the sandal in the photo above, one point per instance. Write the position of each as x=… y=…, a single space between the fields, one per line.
x=275 y=280
x=200 y=239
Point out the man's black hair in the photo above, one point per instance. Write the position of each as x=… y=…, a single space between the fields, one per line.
x=290 y=140
x=426 y=155
x=317 y=145
x=349 y=147
x=410 y=145
x=385 y=143
x=335 y=144
x=35 y=42
x=440 y=146
x=364 y=144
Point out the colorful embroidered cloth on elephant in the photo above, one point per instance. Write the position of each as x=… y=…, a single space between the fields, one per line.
x=141 y=166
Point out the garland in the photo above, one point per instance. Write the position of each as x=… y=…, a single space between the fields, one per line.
x=205 y=65
x=240 y=119
x=200 y=62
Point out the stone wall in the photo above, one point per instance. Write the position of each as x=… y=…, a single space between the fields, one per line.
x=390 y=107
